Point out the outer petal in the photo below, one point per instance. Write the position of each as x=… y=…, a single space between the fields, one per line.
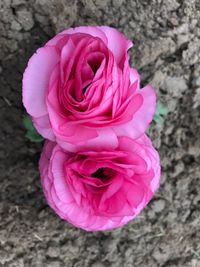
x=134 y=76
x=60 y=185
x=106 y=139
x=43 y=167
x=155 y=161
x=142 y=118
x=36 y=80
x=43 y=126
x=92 y=30
x=46 y=155
x=150 y=154
x=117 y=42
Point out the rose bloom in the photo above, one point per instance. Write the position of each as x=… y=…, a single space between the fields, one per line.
x=97 y=190
x=81 y=92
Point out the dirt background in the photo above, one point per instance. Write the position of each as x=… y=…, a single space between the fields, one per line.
x=167 y=53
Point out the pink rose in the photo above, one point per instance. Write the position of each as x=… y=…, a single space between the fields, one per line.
x=81 y=92
x=100 y=190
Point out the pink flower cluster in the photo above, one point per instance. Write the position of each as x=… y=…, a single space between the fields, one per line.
x=98 y=168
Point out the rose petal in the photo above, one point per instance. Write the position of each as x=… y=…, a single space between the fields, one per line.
x=117 y=42
x=106 y=138
x=92 y=30
x=36 y=80
x=142 y=118
x=43 y=126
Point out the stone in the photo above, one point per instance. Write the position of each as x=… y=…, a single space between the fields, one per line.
x=175 y=86
x=25 y=19
x=158 y=205
x=53 y=252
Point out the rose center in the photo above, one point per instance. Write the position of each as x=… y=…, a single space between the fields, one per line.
x=85 y=88
x=103 y=174
x=94 y=63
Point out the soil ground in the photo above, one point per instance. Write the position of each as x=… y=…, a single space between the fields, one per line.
x=167 y=53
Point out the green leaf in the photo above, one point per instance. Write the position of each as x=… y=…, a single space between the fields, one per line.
x=31 y=133
x=161 y=109
x=28 y=123
x=161 y=112
x=34 y=137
